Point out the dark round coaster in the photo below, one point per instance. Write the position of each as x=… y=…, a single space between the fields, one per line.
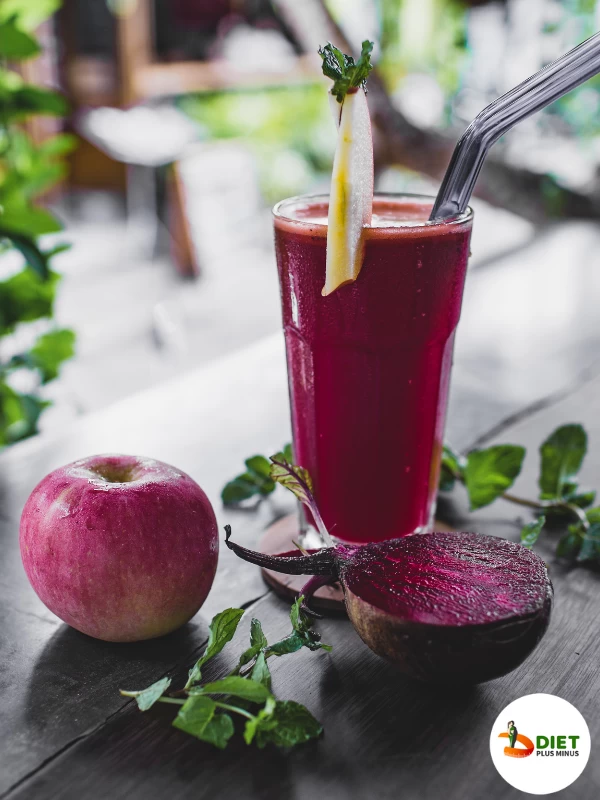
x=280 y=538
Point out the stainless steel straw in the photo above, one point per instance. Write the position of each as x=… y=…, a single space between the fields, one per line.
x=541 y=89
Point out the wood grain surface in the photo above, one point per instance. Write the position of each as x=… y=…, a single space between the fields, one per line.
x=67 y=734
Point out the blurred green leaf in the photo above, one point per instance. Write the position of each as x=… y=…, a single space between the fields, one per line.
x=35 y=258
x=27 y=220
x=451 y=468
x=15 y=44
x=19 y=103
x=60 y=145
x=489 y=473
x=25 y=297
x=590 y=546
x=50 y=351
x=570 y=543
x=561 y=456
x=19 y=414
x=530 y=532
x=29 y=13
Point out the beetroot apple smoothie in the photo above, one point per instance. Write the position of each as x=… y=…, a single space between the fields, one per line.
x=369 y=365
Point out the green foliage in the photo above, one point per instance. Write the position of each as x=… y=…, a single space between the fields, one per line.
x=530 y=532
x=16 y=43
x=345 y=73
x=489 y=473
x=26 y=171
x=288 y=129
x=222 y=629
x=256 y=481
x=451 y=470
x=206 y=712
x=148 y=697
x=28 y=13
x=561 y=456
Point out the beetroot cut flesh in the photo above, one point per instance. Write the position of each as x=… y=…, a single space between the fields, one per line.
x=449 y=607
x=443 y=607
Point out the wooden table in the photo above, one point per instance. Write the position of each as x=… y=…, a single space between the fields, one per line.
x=67 y=734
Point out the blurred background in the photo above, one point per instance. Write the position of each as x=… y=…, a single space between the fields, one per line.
x=143 y=143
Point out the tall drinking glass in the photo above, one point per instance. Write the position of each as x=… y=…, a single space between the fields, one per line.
x=369 y=365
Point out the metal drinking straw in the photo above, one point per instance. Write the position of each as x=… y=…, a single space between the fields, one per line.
x=541 y=89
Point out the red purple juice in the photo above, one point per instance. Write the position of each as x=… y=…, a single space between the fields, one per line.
x=369 y=365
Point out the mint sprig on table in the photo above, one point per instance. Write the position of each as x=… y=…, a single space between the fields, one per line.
x=345 y=73
x=256 y=480
x=245 y=692
x=488 y=474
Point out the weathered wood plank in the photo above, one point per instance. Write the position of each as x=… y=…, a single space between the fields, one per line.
x=384 y=734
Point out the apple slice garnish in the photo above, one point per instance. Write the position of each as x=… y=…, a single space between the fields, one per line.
x=351 y=196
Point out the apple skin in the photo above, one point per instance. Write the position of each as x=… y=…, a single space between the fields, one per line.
x=119 y=547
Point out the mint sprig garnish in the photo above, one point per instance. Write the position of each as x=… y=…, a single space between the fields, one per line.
x=209 y=709
x=489 y=473
x=345 y=73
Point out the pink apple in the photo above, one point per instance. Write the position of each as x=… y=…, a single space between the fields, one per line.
x=119 y=547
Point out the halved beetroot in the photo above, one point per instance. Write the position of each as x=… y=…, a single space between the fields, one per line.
x=443 y=607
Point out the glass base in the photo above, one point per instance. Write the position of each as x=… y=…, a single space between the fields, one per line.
x=309 y=537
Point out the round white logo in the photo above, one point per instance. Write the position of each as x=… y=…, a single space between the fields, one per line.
x=540 y=744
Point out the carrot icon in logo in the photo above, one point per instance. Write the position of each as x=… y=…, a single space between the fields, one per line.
x=513 y=737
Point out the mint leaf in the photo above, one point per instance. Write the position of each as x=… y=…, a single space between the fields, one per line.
x=288 y=453
x=258 y=641
x=221 y=630
x=263 y=721
x=345 y=73
x=561 y=456
x=15 y=44
x=289 y=724
x=593 y=515
x=290 y=644
x=244 y=688
x=301 y=636
x=582 y=499
x=218 y=731
x=260 y=671
x=489 y=473
x=259 y=466
x=569 y=545
x=197 y=717
x=451 y=468
x=297 y=640
x=530 y=532
x=300 y=621
x=590 y=547
x=147 y=697
x=257 y=637
x=255 y=481
x=239 y=489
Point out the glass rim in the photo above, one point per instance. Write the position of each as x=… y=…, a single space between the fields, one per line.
x=282 y=206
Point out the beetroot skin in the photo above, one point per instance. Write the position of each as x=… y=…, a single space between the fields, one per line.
x=119 y=547
x=443 y=607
